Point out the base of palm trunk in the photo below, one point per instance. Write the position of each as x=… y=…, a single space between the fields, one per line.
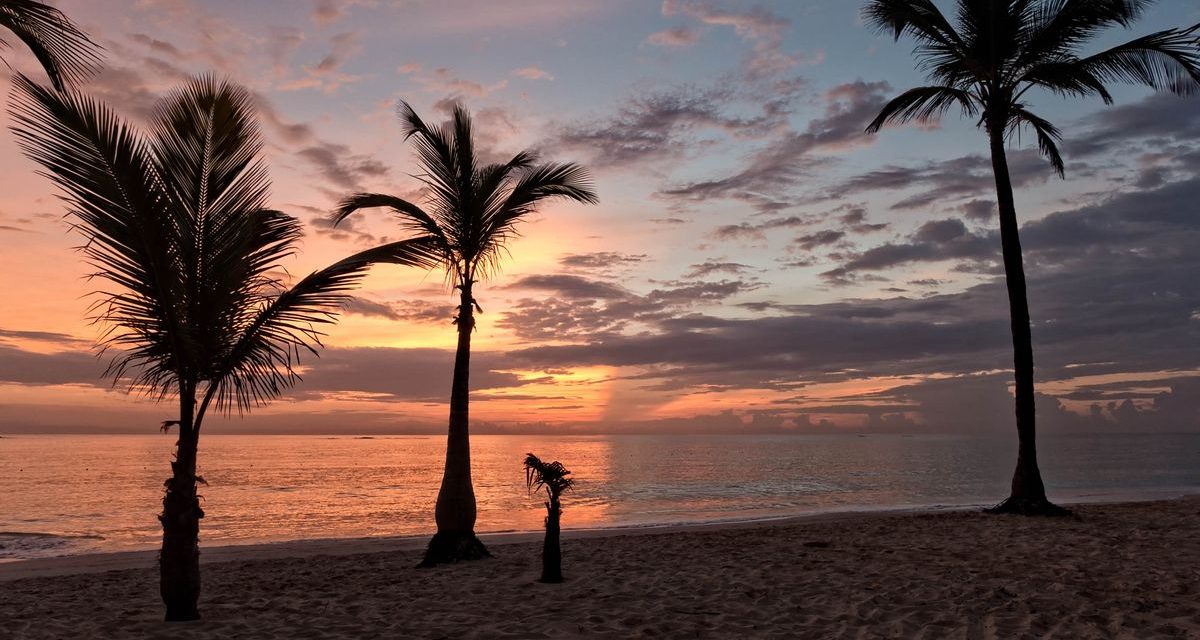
x=447 y=548
x=1028 y=507
x=551 y=579
x=183 y=614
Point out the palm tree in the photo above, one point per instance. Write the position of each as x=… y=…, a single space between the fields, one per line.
x=66 y=53
x=471 y=212
x=178 y=230
x=552 y=477
x=985 y=64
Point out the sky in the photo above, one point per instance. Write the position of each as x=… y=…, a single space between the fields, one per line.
x=757 y=263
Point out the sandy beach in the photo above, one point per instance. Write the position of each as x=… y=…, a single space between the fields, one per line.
x=1128 y=570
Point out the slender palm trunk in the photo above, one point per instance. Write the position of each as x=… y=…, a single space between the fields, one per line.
x=455 y=510
x=551 y=548
x=1028 y=494
x=179 y=560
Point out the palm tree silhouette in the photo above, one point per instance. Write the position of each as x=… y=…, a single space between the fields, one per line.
x=551 y=476
x=470 y=213
x=984 y=65
x=66 y=53
x=177 y=227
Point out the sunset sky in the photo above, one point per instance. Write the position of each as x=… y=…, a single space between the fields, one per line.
x=757 y=263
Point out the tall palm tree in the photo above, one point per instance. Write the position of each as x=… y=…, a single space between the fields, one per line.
x=551 y=476
x=66 y=53
x=985 y=63
x=471 y=211
x=178 y=229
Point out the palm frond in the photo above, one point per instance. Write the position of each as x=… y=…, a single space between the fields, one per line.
x=1048 y=136
x=1065 y=79
x=940 y=49
x=65 y=52
x=412 y=217
x=920 y=19
x=539 y=183
x=262 y=362
x=464 y=156
x=552 y=180
x=439 y=160
x=495 y=177
x=206 y=145
x=922 y=104
x=1058 y=27
x=105 y=169
x=1168 y=60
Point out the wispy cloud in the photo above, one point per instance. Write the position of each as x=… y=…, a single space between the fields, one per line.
x=326 y=74
x=757 y=25
x=669 y=122
x=767 y=179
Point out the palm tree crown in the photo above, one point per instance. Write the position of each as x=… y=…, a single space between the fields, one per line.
x=177 y=223
x=471 y=210
x=65 y=52
x=551 y=476
x=998 y=50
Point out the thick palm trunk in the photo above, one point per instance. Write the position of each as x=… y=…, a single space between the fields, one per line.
x=179 y=560
x=551 y=548
x=1028 y=493
x=455 y=510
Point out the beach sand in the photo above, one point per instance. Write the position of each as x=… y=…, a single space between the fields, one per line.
x=1127 y=570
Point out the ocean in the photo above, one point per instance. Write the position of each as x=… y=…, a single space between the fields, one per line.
x=75 y=494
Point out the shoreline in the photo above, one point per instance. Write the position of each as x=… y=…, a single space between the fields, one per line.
x=89 y=563
x=1116 y=570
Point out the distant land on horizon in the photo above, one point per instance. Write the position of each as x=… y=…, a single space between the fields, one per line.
x=706 y=425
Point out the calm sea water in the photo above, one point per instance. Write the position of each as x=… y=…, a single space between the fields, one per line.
x=70 y=494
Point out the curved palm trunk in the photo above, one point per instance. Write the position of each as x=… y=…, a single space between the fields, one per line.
x=1028 y=494
x=179 y=559
x=551 y=548
x=455 y=511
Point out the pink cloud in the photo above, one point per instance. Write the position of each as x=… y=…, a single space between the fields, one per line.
x=533 y=73
x=444 y=80
x=676 y=37
x=330 y=11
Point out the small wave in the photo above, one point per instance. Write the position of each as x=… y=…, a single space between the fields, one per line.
x=66 y=536
x=26 y=545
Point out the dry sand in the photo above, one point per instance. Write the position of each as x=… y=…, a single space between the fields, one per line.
x=1114 y=571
